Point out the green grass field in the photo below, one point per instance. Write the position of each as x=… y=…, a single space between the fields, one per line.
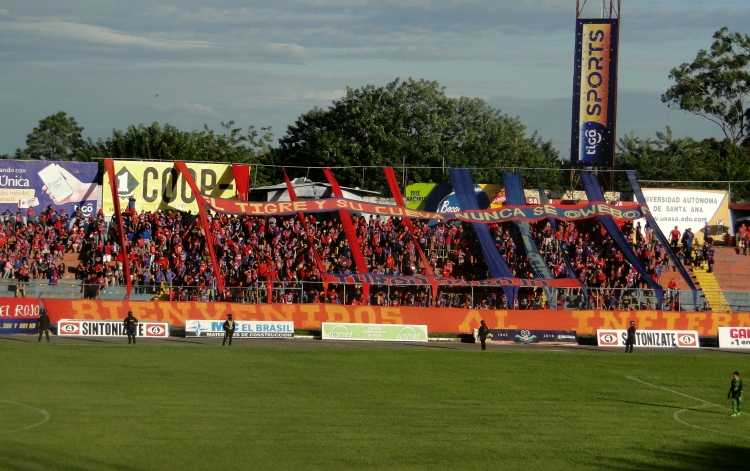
x=167 y=407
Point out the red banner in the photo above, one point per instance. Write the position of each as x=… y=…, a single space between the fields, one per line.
x=19 y=308
x=528 y=213
x=241 y=174
x=310 y=316
x=109 y=166
x=390 y=176
x=351 y=233
x=182 y=168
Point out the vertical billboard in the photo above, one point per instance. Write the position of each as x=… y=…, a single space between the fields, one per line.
x=37 y=184
x=159 y=185
x=594 y=93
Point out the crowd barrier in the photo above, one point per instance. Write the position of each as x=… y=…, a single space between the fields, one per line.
x=620 y=299
x=311 y=316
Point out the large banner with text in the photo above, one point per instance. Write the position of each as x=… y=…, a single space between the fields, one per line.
x=649 y=338
x=159 y=185
x=594 y=93
x=685 y=209
x=483 y=216
x=109 y=328
x=19 y=308
x=311 y=316
x=37 y=184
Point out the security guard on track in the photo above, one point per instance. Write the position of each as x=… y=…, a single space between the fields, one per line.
x=130 y=325
x=43 y=324
x=482 y=333
x=229 y=326
x=630 y=341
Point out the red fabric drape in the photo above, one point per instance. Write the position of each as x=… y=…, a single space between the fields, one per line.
x=303 y=221
x=182 y=168
x=109 y=166
x=350 y=231
x=396 y=192
x=390 y=176
x=241 y=174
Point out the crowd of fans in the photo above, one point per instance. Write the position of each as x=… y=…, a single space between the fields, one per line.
x=168 y=257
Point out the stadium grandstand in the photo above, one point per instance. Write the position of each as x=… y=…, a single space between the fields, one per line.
x=310 y=258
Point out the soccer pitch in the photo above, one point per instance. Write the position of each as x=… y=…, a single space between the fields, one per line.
x=169 y=406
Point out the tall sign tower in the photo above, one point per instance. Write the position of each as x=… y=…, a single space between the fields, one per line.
x=593 y=133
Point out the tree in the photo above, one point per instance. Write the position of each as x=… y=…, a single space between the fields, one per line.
x=716 y=84
x=58 y=137
x=668 y=159
x=167 y=142
x=413 y=124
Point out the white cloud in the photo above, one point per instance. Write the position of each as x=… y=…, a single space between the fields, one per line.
x=200 y=109
x=329 y=95
x=97 y=35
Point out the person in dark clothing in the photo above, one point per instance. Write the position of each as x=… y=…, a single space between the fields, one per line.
x=735 y=393
x=630 y=341
x=483 y=331
x=43 y=324
x=229 y=326
x=130 y=325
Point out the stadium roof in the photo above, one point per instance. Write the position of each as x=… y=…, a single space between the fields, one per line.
x=305 y=189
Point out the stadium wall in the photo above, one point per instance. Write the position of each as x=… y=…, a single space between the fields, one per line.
x=310 y=316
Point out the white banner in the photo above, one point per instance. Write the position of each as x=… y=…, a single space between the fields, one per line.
x=734 y=337
x=648 y=338
x=686 y=208
x=83 y=328
x=243 y=329
x=377 y=332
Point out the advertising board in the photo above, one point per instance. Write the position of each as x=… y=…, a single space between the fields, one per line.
x=684 y=208
x=542 y=337
x=159 y=185
x=244 y=329
x=649 y=338
x=311 y=316
x=594 y=92
x=19 y=308
x=440 y=198
x=89 y=328
x=734 y=337
x=37 y=184
x=376 y=332
x=18 y=326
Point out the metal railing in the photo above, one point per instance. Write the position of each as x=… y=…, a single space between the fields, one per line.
x=304 y=292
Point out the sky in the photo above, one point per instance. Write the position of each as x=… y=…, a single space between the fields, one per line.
x=112 y=64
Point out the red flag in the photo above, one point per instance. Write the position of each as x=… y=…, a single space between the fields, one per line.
x=109 y=166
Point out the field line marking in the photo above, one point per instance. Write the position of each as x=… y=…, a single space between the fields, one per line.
x=44 y=413
x=676 y=415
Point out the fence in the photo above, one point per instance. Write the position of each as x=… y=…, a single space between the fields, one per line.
x=471 y=297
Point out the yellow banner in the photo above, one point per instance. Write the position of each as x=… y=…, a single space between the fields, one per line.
x=158 y=185
x=595 y=63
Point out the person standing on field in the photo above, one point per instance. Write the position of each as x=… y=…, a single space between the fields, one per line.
x=43 y=324
x=483 y=331
x=630 y=341
x=735 y=393
x=130 y=325
x=229 y=326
